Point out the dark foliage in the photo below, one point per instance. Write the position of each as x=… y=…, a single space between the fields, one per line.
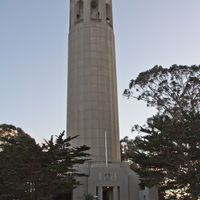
x=32 y=171
x=167 y=153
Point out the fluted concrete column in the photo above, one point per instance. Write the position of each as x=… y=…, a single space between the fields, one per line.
x=115 y=193
x=100 y=193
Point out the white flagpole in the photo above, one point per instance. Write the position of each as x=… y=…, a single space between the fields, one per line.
x=106 y=150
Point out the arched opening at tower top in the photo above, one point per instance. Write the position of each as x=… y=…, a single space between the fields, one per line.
x=94 y=9
x=79 y=10
x=108 y=13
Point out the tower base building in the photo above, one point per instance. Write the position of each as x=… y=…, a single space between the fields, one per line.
x=114 y=182
x=92 y=107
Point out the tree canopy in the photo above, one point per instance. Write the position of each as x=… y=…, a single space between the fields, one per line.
x=171 y=90
x=32 y=171
x=167 y=150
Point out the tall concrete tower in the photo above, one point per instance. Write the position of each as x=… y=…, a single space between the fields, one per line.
x=92 y=88
x=92 y=108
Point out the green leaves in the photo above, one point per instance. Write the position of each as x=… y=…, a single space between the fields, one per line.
x=167 y=154
x=169 y=90
x=167 y=150
x=31 y=171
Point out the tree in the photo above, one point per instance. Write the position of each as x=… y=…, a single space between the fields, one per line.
x=89 y=197
x=32 y=171
x=127 y=147
x=167 y=153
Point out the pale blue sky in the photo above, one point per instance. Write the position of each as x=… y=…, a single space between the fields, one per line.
x=33 y=56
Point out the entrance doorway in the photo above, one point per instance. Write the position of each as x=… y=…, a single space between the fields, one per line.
x=108 y=193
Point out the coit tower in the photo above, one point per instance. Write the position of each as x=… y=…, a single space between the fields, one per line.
x=92 y=108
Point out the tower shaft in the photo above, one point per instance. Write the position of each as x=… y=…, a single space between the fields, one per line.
x=92 y=106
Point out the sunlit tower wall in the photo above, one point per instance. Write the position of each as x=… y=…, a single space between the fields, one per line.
x=92 y=107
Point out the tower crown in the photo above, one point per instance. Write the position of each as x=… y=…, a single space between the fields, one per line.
x=86 y=11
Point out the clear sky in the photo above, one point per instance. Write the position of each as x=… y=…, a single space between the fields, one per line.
x=33 y=56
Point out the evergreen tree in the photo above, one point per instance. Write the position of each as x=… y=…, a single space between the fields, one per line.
x=37 y=172
x=167 y=153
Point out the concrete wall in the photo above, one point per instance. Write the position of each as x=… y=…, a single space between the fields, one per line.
x=92 y=106
x=118 y=176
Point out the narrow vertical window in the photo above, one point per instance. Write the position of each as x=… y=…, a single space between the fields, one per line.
x=79 y=10
x=94 y=9
x=109 y=14
x=118 y=191
x=97 y=191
